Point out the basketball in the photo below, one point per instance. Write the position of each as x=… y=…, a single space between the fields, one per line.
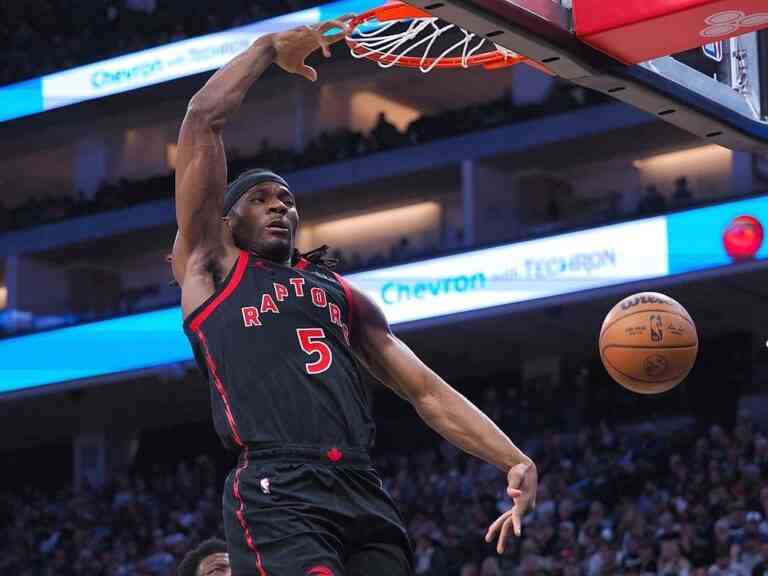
x=648 y=343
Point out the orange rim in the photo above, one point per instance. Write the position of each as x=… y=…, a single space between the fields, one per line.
x=492 y=60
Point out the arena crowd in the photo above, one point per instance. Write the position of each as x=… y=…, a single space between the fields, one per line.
x=609 y=503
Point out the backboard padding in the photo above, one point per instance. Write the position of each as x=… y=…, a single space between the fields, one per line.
x=540 y=30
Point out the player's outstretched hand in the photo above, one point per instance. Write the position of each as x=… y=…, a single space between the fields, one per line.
x=522 y=481
x=294 y=46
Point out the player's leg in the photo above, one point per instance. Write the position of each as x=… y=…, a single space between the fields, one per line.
x=269 y=536
x=375 y=531
x=380 y=559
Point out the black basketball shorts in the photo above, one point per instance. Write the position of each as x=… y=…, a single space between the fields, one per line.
x=308 y=511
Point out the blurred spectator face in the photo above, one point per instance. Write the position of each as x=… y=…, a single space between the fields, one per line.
x=565 y=510
x=646 y=552
x=607 y=554
x=751 y=544
x=571 y=570
x=544 y=532
x=490 y=567
x=667 y=522
x=566 y=533
x=529 y=566
x=722 y=532
x=528 y=548
x=723 y=560
x=669 y=550
x=422 y=544
x=752 y=526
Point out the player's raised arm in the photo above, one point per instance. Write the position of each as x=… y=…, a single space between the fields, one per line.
x=445 y=410
x=201 y=168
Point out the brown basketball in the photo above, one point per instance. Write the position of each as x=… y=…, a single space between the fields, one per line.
x=648 y=343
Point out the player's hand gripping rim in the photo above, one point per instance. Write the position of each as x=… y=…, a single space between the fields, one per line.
x=522 y=482
x=294 y=46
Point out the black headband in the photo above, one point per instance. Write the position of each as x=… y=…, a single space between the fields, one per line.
x=245 y=182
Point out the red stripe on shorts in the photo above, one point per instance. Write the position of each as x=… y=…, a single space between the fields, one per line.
x=240 y=514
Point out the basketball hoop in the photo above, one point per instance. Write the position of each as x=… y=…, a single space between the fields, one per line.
x=398 y=34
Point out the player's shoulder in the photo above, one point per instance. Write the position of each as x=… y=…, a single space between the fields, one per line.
x=318 y=269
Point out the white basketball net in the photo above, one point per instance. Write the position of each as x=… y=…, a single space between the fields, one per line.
x=386 y=44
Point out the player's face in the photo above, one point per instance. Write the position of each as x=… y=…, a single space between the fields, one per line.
x=215 y=565
x=266 y=221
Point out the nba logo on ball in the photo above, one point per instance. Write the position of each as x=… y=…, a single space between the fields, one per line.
x=648 y=343
x=743 y=238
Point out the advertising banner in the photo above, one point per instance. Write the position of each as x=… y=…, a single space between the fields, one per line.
x=155 y=65
x=699 y=239
x=519 y=272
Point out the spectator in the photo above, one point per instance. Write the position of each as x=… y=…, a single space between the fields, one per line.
x=727 y=563
x=682 y=196
x=385 y=135
x=671 y=561
x=652 y=202
x=43 y=36
x=210 y=558
x=490 y=567
x=142 y=522
x=761 y=568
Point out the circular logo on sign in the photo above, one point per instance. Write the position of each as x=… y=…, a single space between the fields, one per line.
x=731 y=21
x=743 y=238
x=655 y=365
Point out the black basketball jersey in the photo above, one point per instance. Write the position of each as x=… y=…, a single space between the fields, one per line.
x=274 y=342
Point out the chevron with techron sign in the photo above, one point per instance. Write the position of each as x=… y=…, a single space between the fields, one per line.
x=634 y=31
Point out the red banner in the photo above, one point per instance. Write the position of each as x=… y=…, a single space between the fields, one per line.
x=633 y=31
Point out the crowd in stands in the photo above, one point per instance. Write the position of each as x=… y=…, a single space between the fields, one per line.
x=327 y=148
x=39 y=37
x=610 y=503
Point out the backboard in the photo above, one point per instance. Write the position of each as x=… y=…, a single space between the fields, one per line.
x=718 y=91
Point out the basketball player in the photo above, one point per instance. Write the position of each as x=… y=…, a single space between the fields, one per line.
x=209 y=558
x=281 y=338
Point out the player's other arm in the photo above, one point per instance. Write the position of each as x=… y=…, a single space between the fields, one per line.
x=443 y=408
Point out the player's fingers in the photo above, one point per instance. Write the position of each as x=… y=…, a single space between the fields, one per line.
x=321 y=43
x=331 y=39
x=502 y=543
x=338 y=23
x=308 y=72
x=493 y=528
x=516 y=524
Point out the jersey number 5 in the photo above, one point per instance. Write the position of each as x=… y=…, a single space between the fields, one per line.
x=310 y=340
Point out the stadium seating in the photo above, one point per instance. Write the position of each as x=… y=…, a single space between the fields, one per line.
x=610 y=503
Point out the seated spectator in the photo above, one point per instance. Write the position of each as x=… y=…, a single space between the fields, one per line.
x=761 y=568
x=385 y=135
x=652 y=202
x=682 y=196
x=671 y=561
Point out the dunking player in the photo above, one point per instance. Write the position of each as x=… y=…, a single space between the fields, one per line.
x=281 y=338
